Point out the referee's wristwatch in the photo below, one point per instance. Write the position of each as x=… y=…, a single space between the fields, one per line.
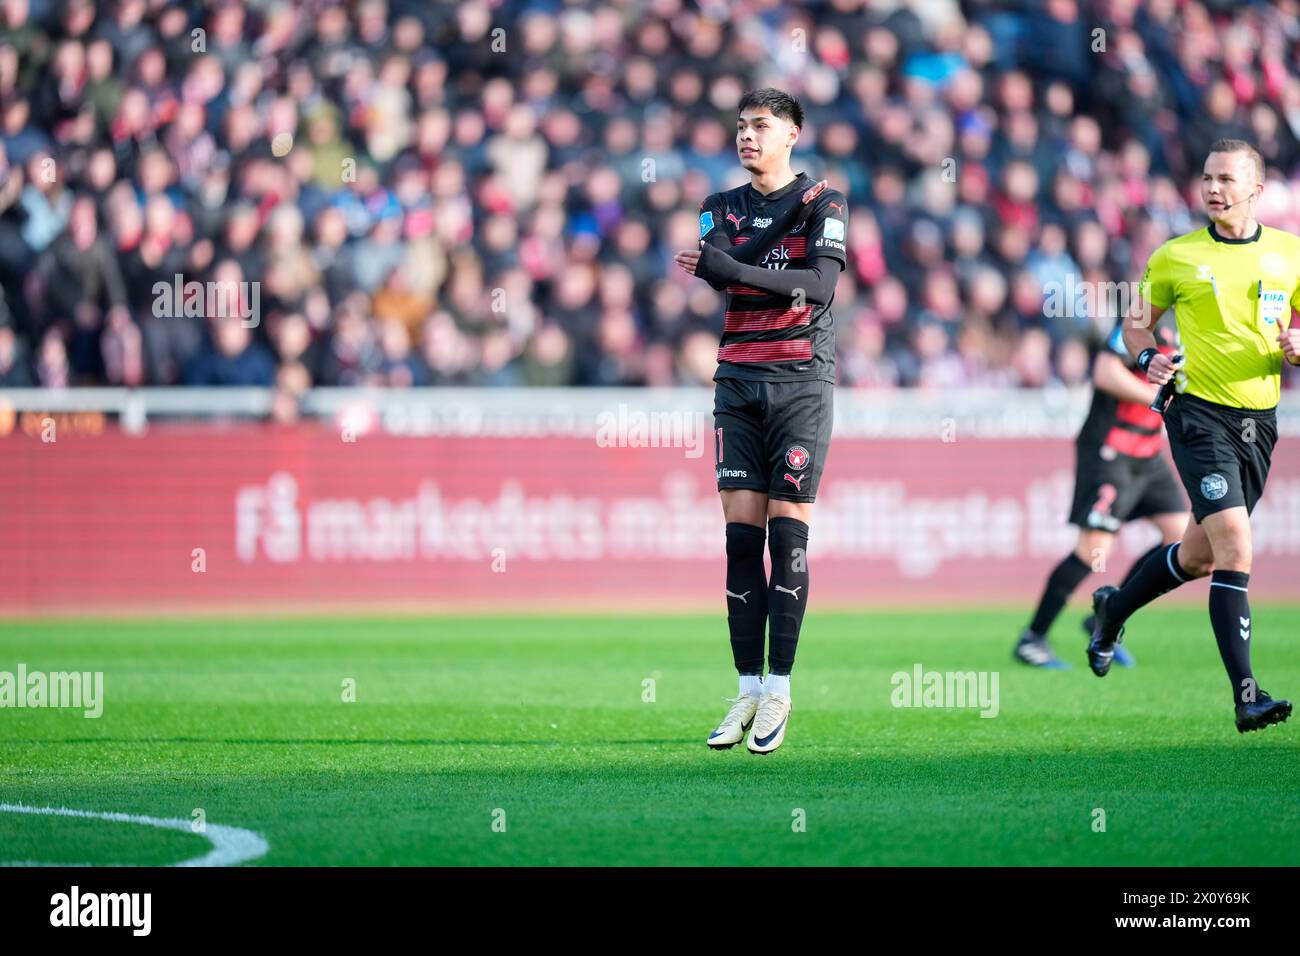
x=1144 y=359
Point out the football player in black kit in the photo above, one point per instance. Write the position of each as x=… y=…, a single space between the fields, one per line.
x=1120 y=475
x=776 y=246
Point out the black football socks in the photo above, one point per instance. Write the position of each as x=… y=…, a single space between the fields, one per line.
x=1230 y=618
x=788 y=595
x=1159 y=574
x=1140 y=559
x=746 y=596
x=1061 y=583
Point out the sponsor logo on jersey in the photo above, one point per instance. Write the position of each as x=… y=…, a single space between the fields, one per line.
x=732 y=473
x=731 y=218
x=762 y=223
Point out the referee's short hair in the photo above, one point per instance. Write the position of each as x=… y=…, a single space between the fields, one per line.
x=1241 y=146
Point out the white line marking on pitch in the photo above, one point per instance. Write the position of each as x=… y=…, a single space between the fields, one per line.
x=230 y=845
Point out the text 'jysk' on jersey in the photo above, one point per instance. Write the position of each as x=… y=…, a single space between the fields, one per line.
x=767 y=336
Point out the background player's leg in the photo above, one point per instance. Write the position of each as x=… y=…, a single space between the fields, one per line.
x=788 y=594
x=1172 y=526
x=746 y=516
x=1229 y=534
x=1069 y=573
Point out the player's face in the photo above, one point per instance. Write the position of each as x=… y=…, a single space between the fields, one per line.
x=1227 y=183
x=762 y=139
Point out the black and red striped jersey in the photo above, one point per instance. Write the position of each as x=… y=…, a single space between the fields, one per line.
x=1115 y=427
x=768 y=336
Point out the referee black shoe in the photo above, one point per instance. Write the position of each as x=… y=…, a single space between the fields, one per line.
x=1123 y=657
x=1262 y=712
x=1101 y=648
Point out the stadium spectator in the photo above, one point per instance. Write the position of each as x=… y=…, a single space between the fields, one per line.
x=427 y=208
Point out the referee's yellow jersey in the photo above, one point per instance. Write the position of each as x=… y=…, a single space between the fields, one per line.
x=1231 y=297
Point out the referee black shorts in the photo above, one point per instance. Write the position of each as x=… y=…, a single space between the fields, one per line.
x=1222 y=453
x=1110 y=488
x=772 y=436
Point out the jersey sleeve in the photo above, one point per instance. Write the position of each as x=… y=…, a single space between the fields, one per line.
x=828 y=228
x=1157 y=281
x=1115 y=343
x=714 y=228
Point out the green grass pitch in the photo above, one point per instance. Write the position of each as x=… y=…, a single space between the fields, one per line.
x=543 y=718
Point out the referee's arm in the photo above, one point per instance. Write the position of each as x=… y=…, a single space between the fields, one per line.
x=1138 y=337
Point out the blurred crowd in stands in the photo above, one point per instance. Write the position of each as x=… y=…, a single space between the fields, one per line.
x=490 y=193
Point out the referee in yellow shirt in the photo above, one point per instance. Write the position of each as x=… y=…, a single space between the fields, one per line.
x=1232 y=287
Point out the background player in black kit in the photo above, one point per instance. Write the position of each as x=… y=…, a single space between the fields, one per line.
x=1120 y=475
x=776 y=246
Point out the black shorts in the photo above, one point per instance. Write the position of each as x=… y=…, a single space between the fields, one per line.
x=772 y=436
x=1111 y=490
x=1222 y=453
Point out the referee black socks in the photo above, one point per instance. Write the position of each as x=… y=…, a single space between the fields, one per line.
x=788 y=595
x=1140 y=559
x=1061 y=583
x=1159 y=574
x=746 y=595
x=1230 y=617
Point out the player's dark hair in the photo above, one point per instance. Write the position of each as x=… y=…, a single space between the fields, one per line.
x=1240 y=146
x=780 y=103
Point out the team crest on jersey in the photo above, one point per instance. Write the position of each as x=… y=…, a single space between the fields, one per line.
x=706 y=223
x=1214 y=487
x=797 y=457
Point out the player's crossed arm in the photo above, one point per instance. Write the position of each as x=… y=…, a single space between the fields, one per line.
x=751 y=252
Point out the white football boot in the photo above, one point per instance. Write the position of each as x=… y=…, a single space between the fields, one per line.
x=769 y=723
x=732 y=729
